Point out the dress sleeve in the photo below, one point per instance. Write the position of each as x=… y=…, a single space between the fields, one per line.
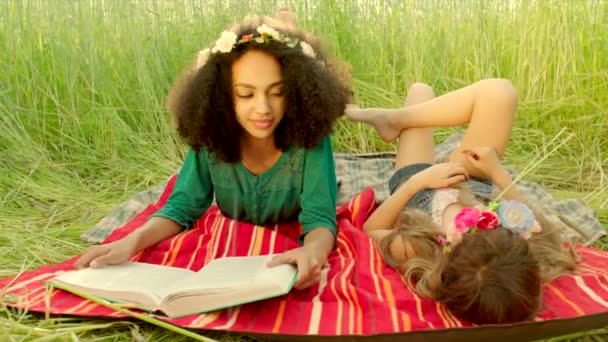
x=193 y=191
x=319 y=192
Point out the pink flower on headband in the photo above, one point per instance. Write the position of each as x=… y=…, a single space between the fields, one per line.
x=466 y=219
x=442 y=240
x=487 y=220
x=511 y=215
x=246 y=37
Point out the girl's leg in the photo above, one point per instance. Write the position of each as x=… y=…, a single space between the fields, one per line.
x=416 y=145
x=488 y=106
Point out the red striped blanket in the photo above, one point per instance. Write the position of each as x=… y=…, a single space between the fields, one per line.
x=357 y=295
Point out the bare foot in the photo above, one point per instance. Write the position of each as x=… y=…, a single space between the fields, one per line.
x=383 y=120
x=285 y=14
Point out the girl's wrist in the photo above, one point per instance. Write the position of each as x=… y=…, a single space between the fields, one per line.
x=500 y=176
x=417 y=182
x=320 y=238
x=134 y=240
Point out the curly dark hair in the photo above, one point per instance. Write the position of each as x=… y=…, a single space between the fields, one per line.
x=316 y=93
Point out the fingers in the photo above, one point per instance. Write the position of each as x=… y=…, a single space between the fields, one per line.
x=89 y=255
x=106 y=259
x=309 y=273
x=99 y=256
x=453 y=180
x=478 y=162
x=286 y=15
x=455 y=169
x=304 y=272
x=480 y=152
x=309 y=269
x=471 y=157
x=460 y=170
x=446 y=174
x=313 y=280
x=280 y=259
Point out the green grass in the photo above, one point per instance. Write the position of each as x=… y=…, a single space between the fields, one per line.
x=84 y=126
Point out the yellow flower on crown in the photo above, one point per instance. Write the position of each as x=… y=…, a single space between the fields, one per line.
x=268 y=31
x=229 y=40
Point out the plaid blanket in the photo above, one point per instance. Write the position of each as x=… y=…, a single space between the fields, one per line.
x=358 y=295
x=356 y=172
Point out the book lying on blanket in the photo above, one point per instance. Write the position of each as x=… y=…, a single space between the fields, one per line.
x=176 y=292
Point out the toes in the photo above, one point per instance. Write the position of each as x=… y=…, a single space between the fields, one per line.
x=286 y=15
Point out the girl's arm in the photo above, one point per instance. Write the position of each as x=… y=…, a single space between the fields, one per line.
x=437 y=176
x=192 y=194
x=386 y=214
x=486 y=160
x=153 y=231
x=504 y=181
x=317 y=217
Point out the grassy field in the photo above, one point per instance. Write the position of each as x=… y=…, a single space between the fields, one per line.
x=84 y=125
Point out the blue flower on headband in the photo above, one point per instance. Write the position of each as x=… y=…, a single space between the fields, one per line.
x=515 y=216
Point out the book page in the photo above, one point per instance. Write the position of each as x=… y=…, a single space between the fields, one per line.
x=233 y=272
x=281 y=276
x=127 y=277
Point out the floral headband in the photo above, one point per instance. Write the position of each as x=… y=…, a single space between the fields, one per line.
x=264 y=34
x=512 y=215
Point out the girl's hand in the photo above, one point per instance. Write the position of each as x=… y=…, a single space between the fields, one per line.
x=309 y=261
x=485 y=159
x=441 y=175
x=112 y=253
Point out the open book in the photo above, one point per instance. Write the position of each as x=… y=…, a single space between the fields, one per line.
x=178 y=292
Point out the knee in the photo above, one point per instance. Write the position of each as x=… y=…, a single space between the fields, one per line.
x=501 y=89
x=422 y=89
x=420 y=92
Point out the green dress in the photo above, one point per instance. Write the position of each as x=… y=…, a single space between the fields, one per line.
x=301 y=186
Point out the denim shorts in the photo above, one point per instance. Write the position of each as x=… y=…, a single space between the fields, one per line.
x=482 y=189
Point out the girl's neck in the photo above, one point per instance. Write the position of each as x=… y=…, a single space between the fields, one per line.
x=257 y=146
x=259 y=155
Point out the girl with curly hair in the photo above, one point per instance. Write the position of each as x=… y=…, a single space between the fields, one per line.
x=486 y=260
x=257 y=110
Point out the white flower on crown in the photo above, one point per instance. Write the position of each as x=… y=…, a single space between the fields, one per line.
x=225 y=43
x=268 y=31
x=202 y=58
x=307 y=49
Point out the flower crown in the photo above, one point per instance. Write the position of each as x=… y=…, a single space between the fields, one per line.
x=263 y=34
x=511 y=215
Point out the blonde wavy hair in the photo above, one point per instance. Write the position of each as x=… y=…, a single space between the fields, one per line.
x=492 y=276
